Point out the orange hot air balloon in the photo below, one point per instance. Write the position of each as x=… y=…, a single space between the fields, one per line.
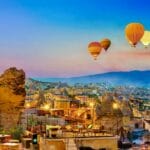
x=94 y=49
x=105 y=43
x=134 y=33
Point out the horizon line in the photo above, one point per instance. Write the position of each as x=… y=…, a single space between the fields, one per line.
x=87 y=74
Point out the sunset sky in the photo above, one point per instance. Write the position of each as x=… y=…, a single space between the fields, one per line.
x=49 y=38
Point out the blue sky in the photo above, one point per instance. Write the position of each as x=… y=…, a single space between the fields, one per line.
x=50 y=37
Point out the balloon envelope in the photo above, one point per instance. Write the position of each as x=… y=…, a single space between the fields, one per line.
x=94 y=49
x=134 y=32
x=105 y=43
x=145 y=40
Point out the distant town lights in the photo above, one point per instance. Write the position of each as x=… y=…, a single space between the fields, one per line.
x=115 y=106
x=92 y=104
x=46 y=107
x=27 y=105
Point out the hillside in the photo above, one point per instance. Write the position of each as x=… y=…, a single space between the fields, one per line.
x=132 y=78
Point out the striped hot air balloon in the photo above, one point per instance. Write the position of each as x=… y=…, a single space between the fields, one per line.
x=94 y=49
x=134 y=33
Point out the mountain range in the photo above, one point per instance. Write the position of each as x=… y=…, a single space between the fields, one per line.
x=131 y=78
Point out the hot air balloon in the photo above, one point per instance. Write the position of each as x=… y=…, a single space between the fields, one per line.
x=105 y=43
x=145 y=40
x=94 y=49
x=134 y=33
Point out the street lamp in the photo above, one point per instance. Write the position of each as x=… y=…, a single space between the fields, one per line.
x=27 y=106
x=46 y=107
x=92 y=106
x=116 y=107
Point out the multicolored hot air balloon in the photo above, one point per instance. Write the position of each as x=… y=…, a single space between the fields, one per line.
x=145 y=40
x=134 y=33
x=105 y=43
x=94 y=49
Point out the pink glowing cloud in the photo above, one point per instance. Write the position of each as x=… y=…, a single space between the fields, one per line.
x=126 y=60
x=81 y=64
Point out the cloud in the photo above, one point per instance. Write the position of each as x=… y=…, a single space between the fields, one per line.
x=126 y=60
x=81 y=63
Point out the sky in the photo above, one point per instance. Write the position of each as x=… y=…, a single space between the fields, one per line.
x=49 y=38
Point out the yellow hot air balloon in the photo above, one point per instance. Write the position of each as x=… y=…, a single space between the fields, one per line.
x=134 y=33
x=94 y=49
x=145 y=40
x=105 y=43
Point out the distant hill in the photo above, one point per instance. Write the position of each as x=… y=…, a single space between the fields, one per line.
x=132 y=78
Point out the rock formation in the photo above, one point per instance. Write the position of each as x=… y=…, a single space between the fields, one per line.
x=12 y=96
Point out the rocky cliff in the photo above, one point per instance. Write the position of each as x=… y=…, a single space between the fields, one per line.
x=12 y=96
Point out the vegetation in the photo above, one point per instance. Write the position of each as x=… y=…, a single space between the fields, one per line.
x=16 y=132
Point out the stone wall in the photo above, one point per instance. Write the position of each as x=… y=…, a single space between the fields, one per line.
x=109 y=143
